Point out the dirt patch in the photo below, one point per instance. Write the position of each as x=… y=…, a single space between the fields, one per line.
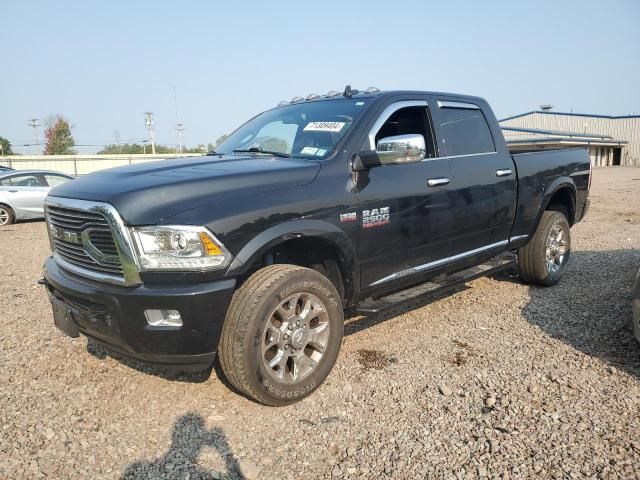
x=374 y=359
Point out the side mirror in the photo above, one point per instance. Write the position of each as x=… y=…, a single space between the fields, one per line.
x=391 y=150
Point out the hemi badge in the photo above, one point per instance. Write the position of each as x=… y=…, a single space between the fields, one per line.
x=348 y=217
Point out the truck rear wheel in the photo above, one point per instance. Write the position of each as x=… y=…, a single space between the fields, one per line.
x=543 y=260
x=282 y=334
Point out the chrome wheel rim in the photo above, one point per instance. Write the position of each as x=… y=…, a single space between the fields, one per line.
x=4 y=216
x=295 y=338
x=556 y=248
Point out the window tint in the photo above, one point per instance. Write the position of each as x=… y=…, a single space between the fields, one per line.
x=465 y=131
x=54 y=180
x=21 y=181
x=406 y=121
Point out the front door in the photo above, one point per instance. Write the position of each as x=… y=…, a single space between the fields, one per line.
x=403 y=208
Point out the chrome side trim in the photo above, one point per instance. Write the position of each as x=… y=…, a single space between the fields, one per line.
x=121 y=237
x=437 y=263
x=448 y=104
x=386 y=113
x=461 y=156
x=517 y=238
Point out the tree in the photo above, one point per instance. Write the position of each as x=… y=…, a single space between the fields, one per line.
x=59 y=138
x=221 y=139
x=136 y=148
x=5 y=149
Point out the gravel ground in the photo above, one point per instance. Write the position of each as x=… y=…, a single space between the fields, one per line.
x=498 y=380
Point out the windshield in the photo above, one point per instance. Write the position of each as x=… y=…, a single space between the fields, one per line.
x=310 y=129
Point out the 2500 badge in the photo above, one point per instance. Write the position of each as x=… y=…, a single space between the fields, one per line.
x=375 y=217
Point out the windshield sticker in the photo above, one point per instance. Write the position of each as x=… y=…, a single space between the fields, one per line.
x=309 y=151
x=359 y=104
x=324 y=126
x=321 y=152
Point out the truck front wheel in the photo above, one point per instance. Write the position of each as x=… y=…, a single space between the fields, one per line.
x=282 y=334
x=543 y=260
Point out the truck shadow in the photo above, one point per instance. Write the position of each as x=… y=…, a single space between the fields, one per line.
x=188 y=439
x=99 y=351
x=590 y=309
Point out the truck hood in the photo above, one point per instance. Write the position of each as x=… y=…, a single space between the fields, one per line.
x=145 y=194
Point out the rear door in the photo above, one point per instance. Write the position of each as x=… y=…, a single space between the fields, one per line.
x=483 y=176
x=26 y=193
x=403 y=216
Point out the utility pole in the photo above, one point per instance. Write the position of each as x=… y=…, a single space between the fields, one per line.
x=179 y=126
x=180 y=129
x=149 y=124
x=33 y=122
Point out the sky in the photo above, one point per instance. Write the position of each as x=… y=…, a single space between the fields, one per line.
x=103 y=64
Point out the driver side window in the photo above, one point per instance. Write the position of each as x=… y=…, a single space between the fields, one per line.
x=22 y=181
x=409 y=120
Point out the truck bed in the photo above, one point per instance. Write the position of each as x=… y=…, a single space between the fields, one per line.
x=544 y=171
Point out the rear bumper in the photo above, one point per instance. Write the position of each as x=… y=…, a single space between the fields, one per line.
x=585 y=209
x=115 y=316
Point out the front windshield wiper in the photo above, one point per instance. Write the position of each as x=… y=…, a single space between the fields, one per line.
x=261 y=150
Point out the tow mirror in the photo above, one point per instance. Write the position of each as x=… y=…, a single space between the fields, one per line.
x=391 y=150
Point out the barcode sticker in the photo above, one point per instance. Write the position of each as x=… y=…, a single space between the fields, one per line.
x=324 y=126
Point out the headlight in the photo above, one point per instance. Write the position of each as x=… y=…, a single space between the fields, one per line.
x=178 y=247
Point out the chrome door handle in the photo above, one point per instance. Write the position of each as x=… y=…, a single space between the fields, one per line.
x=503 y=172
x=436 y=182
x=13 y=191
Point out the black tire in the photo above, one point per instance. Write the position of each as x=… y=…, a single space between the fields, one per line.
x=253 y=305
x=7 y=216
x=535 y=267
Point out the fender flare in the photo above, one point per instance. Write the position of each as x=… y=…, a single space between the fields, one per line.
x=555 y=186
x=259 y=245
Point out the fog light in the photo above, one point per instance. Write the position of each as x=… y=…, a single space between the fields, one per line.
x=163 y=318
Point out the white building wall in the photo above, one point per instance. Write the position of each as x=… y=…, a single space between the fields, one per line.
x=624 y=128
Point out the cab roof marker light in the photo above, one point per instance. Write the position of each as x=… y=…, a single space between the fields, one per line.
x=283 y=102
x=332 y=93
x=296 y=99
x=312 y=96
x=350 y=92
x=372 y=90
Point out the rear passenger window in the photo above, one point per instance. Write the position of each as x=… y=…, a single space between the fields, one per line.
x=465 y=131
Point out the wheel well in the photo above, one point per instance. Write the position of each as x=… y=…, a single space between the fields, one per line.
x=562 y=201
x=9 y=208
x=314 y=253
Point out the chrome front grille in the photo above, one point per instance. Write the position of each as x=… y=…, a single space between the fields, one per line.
x=84 y=239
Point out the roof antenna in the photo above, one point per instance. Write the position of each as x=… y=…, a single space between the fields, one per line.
x=348 y=92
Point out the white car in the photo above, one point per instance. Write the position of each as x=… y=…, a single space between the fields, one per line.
x=22 y=193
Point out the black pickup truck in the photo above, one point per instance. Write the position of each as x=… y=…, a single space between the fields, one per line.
x=351 y=201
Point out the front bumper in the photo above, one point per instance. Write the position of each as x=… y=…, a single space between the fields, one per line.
x=114 y=316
